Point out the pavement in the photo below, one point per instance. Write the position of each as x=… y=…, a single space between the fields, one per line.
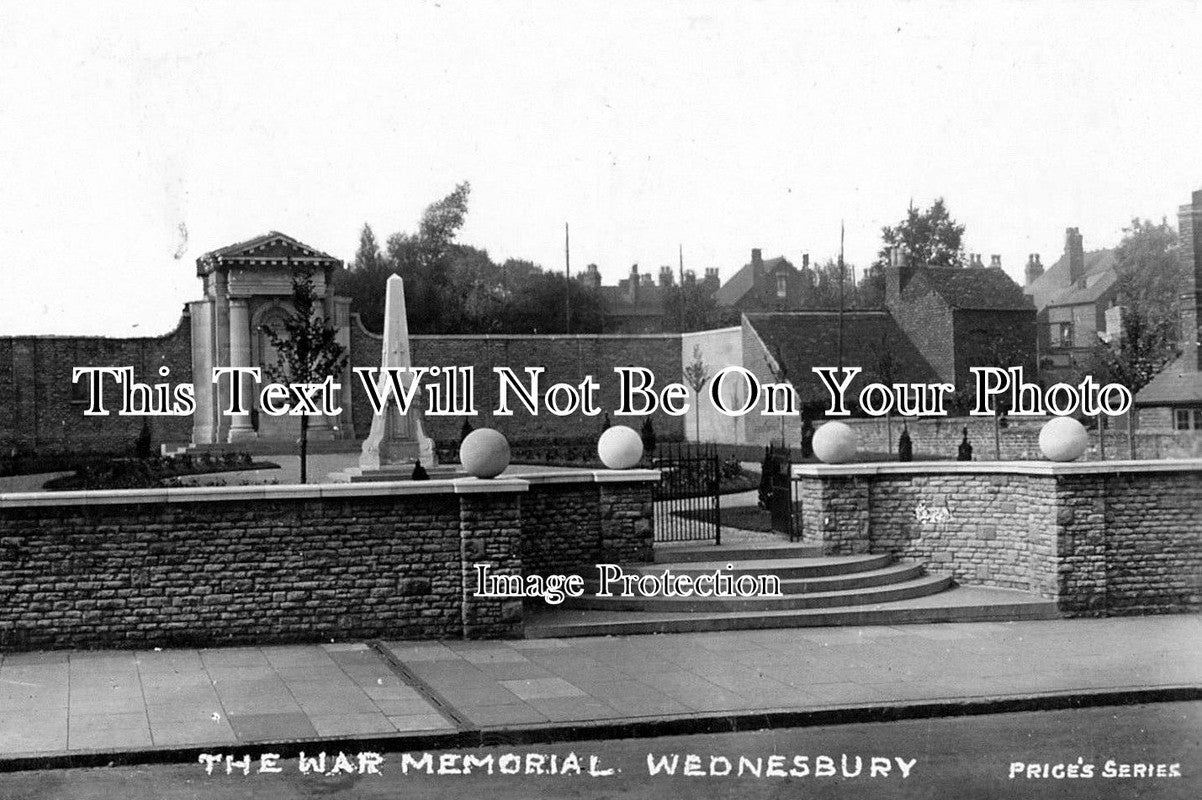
x=95 y=707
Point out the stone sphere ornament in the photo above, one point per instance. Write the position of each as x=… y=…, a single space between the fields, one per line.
x=835 y=443
x=1063 y=439
x=620 y=447
x=484 y=453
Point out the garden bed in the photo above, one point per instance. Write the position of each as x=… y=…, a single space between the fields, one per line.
x=156 y=471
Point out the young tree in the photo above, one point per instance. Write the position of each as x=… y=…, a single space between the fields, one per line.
x=695 y=375
x=931 y=237
x=307 y=349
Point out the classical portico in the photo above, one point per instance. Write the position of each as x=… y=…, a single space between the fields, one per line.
x=248 y=286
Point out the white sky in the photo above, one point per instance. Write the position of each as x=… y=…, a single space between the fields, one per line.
x=718 y=126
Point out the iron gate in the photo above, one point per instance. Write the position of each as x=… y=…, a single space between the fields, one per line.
x=778 y=470
x=686 y=498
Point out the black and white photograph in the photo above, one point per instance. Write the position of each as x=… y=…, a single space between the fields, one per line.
x=666 y=399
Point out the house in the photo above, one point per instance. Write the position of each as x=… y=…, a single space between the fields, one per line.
x=771 y=285
x=636 y=303
x=1072 y=300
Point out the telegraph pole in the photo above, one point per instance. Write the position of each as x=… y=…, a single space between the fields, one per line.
x=567 y=288
x=681 y=288
x=841 y=282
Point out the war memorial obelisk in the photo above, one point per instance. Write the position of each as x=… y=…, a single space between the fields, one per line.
x=396 y=440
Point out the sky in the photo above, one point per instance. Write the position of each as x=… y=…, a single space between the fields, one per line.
x=135 y=137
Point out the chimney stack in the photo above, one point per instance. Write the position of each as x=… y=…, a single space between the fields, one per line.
x=1034 y=269
x=1190 y=237
x=665 y=276
x=995 y=262
x=757 y=263
x=690 y=277
x=711 y=278
x=805 y=260
x=1074 y=251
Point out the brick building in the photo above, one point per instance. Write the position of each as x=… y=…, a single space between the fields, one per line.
x=771 y=285
x=1076 y=303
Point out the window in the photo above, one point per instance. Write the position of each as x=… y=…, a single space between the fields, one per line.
x=1066 y=334
x=782 y=286
x=1187 y=419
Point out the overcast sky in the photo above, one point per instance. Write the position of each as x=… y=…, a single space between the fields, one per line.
x=133 y=138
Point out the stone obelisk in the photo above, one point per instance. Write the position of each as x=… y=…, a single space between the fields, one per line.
x=396 y=440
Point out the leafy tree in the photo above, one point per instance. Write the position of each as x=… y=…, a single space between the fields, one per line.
x=931 y=238
x=1148 y=264
x=689 y=308
x=307 y=350
x=422 y=259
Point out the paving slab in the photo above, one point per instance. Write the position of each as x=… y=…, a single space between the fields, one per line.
x=63 y=703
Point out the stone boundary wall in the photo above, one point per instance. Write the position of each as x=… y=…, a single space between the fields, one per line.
x=274 y=564
x=41 y=410
x=940 y=437
x=1107 y=538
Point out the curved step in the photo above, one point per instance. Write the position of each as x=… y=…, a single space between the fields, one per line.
x=959 y=604
x=917 y=587
x=894 y=573
x=673 y=553
x=781 y=567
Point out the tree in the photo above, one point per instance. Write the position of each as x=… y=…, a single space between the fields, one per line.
x=695 y=375
x=368 y=257
x=930 y=237
x=1148 y=264
x=423 y=259
x=689 y=308
x=307 y=350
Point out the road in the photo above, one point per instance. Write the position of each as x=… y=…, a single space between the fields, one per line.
x=966 y=757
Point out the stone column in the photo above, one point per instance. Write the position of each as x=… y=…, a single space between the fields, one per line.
x=202 y=371
x=240 y=427
x=221 y=349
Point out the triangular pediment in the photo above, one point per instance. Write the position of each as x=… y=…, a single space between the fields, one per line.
x=270 y=249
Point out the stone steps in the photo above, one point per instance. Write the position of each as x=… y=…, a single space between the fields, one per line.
x=959 y=604
x=784 y=568
x=903 y=590
x=868 y=589
x=675 y=553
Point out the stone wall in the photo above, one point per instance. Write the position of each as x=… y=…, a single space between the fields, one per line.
x=242 y=565
x=1100 y=538
x=42 y=411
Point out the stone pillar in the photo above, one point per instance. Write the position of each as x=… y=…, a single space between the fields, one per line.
x=627 y=515
x=240 y=428
x=203 y=422
x=490 y=532
x=835 y=513
x=221 y=349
